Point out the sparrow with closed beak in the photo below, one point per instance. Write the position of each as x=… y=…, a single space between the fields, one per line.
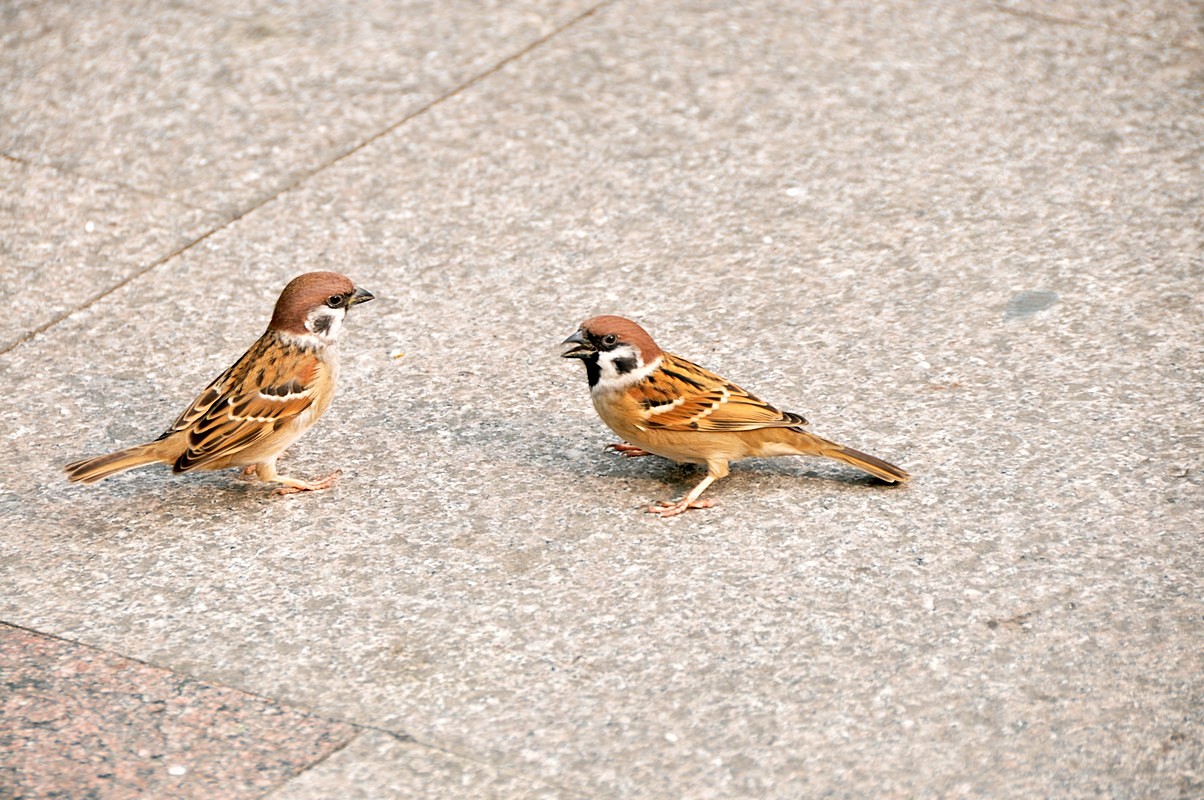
x=259 y=406
x=664 y=405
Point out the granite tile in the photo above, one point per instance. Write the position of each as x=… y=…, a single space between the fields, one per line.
x=78 y=722
x=960 y=238
x=380 y=765
x=65 y=240
x=1172 y=22
x=221 y=104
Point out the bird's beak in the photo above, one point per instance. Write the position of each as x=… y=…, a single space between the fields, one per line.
x=360 y=296
x=581 y=347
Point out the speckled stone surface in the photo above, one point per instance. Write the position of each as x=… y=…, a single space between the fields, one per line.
x=65 y=240
x=1169 y=22
x=964 y=237
x=219 y=104
x=76 y=722
x=379 y=765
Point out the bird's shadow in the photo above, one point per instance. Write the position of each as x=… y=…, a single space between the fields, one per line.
x=608 y=463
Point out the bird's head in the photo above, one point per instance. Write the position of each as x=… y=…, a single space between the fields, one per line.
x=313 y=305
x=616 y=351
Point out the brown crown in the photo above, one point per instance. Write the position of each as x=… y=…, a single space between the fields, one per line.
x=302 y=294
x=626 y=330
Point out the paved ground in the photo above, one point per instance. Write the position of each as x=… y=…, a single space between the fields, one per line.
x=964 y=236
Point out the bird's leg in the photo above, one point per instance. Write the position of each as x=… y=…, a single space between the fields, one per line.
x=267 y=473
x=629 y=450
x=671 y=508
x=253 y=471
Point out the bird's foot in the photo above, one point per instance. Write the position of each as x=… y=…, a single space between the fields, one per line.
x=248 y=473
x=671 y=508
x=629 y=450
x=295 y=485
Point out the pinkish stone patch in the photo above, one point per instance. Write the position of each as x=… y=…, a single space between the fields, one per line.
x=78 y=722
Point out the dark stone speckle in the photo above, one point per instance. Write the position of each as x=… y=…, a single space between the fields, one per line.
x=1027 y=303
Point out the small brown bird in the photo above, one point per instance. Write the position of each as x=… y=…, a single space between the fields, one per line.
x=666 y=406
x=259 y=406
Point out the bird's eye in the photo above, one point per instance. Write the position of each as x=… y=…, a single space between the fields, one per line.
x=335 y=300
x=610 y=340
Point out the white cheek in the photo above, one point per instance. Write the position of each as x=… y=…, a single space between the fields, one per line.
x=606 y=363
x=325 y=323
x=611 y=379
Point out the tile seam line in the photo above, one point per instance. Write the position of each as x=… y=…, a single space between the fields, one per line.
x=307 y=174
x=266 y=795
x=405 y=738
x=358 y=728
x=1054 y=19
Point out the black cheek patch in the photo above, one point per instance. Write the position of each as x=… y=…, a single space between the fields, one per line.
x=624 y=365
x=322 y=323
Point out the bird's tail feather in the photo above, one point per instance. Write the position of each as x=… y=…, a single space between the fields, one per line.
x=863 y=461
x=91 y=470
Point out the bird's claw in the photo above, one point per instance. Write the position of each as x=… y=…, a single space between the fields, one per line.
x=671 y=508
x=295 y=485
x=628 y=450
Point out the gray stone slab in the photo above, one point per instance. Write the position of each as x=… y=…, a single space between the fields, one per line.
x=378 y=765
x=1172 y=22
x=218 y=104
x=65 y=240
x=960 y=238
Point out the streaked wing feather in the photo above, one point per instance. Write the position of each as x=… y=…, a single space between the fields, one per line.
x=248 y=407
x=699 y=400
x=202 y=404
x=221 y=441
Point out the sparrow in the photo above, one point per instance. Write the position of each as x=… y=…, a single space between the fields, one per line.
x=665 y=405
x=260 y=405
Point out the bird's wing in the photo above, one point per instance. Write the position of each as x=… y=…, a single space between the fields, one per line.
x=247 y=403
x=682 y=396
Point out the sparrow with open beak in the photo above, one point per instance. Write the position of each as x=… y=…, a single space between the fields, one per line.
x=259 y=406
x=664 y=405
